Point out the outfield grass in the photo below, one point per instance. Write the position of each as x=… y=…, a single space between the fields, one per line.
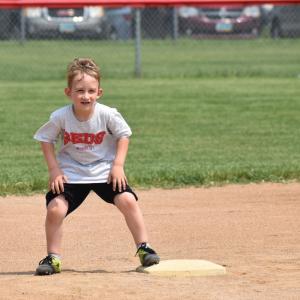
x=46 y=60
x=206 y=112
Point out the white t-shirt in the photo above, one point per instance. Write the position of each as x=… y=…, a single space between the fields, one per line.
x=87 y=148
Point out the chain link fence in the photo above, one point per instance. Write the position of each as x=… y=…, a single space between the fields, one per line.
x=105 y=31
x=156 y=23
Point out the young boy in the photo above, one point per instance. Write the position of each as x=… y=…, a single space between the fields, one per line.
x=94 y=143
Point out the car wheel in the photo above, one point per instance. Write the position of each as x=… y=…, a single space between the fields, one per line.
x=5 y=32
x=188 y=31
x=113 y=35
x=255 y=32
x=276 y=30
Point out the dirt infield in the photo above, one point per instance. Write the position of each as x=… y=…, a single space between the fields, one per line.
x=253 y=230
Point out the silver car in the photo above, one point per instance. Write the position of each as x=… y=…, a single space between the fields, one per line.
x=83 y=22
x=121 y=21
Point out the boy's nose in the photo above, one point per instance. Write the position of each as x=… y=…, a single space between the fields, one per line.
x=85 y=96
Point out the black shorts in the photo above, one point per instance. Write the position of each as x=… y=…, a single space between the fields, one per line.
x=76 y=193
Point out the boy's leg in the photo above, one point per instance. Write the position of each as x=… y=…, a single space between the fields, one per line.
x=56 y=212
x=129 y=207
x=58 y=207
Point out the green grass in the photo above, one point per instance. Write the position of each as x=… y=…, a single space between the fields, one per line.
x=206 y=112
x=46 y=60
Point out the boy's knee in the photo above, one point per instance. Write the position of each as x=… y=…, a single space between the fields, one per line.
x=125 y=201
x=57 y=208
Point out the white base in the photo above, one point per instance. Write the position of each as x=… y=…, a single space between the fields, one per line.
x=184 y=267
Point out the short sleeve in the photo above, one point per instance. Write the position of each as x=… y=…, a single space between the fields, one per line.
x=117 y=126
x=49 y=132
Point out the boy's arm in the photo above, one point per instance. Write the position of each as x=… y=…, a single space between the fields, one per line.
x=117 y=175
x=56 y=176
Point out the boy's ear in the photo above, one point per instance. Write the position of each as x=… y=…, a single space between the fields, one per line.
x=100 y=92
x=67 y=92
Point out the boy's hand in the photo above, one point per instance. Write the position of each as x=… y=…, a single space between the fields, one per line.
x=56 y=181
x=117 y=178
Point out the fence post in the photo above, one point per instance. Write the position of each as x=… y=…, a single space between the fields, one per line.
x=22 y=27
x=175 y=24
x=138 y=38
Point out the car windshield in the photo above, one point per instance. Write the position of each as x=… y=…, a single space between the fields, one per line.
x=221 y=12
x=65 y=12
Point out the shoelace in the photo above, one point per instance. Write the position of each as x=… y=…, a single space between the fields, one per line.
x=145 y=248
x=47 y=260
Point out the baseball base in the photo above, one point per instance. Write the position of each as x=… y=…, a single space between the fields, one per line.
x=184 y=267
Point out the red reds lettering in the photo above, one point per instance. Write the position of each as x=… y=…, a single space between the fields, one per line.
x=84 y=138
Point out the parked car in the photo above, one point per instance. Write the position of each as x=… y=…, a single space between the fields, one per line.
x=87 y=21
x=285 y=21
x=9 y=23
x=220 y=20
x=121 y=21
x=157 y=22
x=266 y=11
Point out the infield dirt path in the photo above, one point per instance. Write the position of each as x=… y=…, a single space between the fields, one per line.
x=253 y=230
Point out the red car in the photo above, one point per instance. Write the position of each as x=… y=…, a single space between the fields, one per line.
x=225 y=20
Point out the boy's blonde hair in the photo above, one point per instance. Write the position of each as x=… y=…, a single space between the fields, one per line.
x=82 y=66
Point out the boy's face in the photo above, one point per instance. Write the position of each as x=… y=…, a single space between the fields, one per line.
x=84 y=93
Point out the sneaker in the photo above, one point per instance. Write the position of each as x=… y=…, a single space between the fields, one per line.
x=48 y=266
x=148 y=256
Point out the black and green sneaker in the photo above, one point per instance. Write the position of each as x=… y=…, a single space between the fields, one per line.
x=48 y=266
x=148 y=256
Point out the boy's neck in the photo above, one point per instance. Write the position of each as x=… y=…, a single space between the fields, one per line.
x=83 y=116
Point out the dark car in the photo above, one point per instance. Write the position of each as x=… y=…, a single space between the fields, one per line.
x=87 y=21
x=157 y=22
x=285 y=21
x=9 y=23
x=225 y=20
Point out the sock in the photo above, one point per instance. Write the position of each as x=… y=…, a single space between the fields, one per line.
x=147 y=245
x=55 y=255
